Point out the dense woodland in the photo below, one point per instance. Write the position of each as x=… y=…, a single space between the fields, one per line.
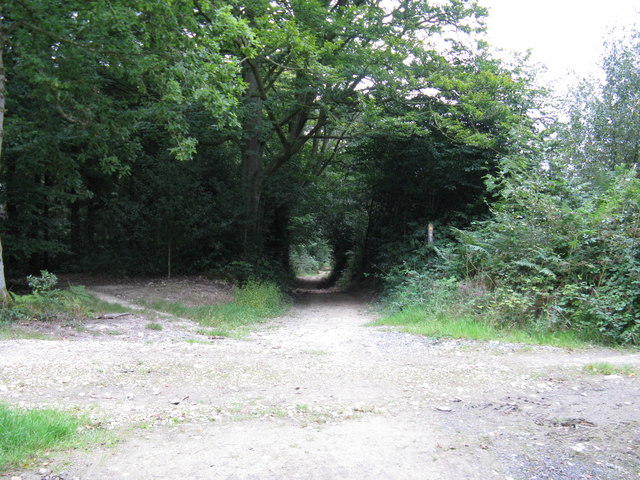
x=260 y=138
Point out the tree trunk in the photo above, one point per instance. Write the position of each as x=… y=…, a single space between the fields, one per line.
x=4 y=296
x=252 y=147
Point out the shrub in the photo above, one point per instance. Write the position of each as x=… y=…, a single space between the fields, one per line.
x=562 y=253
x=44 y=284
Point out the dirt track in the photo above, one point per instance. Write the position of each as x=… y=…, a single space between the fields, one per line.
x=318 y=395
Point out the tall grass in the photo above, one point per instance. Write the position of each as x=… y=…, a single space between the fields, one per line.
x=24 y=434
x=253 y=302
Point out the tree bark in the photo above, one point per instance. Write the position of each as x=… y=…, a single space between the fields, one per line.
x=252 y=148
x=4 y=295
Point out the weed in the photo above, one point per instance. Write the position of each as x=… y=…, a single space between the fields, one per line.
x=603 y=368
x=154 y=326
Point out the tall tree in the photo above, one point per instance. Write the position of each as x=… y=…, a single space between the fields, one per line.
x=84 y=77
x=311 y=77
x=604 y=118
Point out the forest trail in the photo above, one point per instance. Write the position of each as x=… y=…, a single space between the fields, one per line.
x=317 y=394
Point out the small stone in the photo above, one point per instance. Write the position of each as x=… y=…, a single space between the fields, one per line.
x=444 y=408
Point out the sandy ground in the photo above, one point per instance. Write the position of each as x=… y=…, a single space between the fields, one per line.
x=317 y=394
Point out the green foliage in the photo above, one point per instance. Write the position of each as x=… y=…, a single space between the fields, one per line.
x=51 y=304
x=93 y=90
x=137 y=132
x=44 y=284
x=24 y=434
x=604 y=121
x=433 y=169
x=267 y=270
x=561 y=253
x=310 y=257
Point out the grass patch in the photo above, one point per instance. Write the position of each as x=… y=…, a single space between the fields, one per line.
x=25 y=434
x=253 y=303
x=444 y=324
x=154 y=326
x=196 y=340
x=603 y=368
x=11 y=332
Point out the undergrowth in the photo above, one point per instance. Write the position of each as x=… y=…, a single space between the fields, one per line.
x=446 y=308
x=48 y=303
x=252 y=303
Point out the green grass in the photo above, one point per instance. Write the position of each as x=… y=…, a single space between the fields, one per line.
x=154 y=326
x=25 y=434
x=195 y=340
x=11 y=332
x=252 y=304
x=603 y=368
x=443 y=324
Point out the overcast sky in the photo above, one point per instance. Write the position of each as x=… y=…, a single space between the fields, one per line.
x=565 y=35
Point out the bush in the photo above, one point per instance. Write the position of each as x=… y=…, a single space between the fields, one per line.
x=44 y=284
x=557 y=255
x=561 y=253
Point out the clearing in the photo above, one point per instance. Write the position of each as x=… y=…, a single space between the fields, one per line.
x=317 y=394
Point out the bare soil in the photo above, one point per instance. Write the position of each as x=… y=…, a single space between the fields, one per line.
x=317 y=394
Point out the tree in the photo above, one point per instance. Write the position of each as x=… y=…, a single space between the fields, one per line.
x=312 y=75
x=85 y=78
x=4 y=296
x=604 y=119
x=427 y=158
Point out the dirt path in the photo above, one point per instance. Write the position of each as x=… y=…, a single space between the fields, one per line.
x=318 y=395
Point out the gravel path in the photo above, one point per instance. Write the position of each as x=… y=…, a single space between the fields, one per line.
x=318 y=395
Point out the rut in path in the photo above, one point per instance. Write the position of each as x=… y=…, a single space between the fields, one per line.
x=318 y=395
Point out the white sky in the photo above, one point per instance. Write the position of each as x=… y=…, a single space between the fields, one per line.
x=564 y=35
